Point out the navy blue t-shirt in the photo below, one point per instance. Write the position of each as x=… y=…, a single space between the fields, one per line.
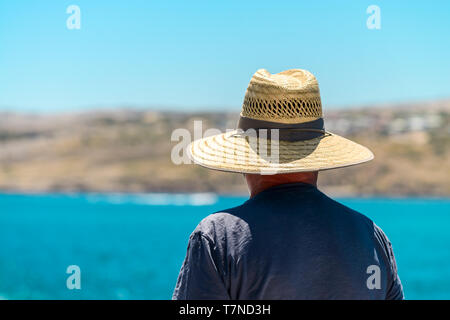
x=288 y=242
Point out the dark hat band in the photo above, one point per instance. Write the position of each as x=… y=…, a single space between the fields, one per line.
x=286 y=131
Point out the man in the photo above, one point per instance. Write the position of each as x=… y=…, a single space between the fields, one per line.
x=289 y=240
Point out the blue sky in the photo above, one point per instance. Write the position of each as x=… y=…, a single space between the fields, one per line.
x=187 y=55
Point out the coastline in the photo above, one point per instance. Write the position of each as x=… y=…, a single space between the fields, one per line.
x=130 y=151
x=94 y=193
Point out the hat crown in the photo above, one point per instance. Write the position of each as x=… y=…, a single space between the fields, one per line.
x=291 y=96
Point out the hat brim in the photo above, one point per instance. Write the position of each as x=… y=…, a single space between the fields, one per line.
x=233 y=153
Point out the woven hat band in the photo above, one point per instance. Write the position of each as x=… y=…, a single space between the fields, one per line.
x=294 y=110
x=287 y=132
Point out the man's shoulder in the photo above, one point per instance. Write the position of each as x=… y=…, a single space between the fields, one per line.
x=340 y=207
x=221 y=222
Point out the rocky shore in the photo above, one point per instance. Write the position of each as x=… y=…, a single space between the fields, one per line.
x=129 y=150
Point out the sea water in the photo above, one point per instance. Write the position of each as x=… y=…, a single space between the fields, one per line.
x=131 y=246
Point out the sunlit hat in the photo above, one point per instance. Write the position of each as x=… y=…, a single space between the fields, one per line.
x=290 y=102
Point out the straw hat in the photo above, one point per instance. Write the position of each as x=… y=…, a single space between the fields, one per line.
x=280 y=130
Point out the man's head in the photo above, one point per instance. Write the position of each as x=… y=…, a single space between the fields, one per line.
x=257 y=183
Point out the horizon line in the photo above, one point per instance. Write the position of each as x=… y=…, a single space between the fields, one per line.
x=225 y=109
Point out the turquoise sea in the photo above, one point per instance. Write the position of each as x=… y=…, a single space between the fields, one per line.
x=132 y=246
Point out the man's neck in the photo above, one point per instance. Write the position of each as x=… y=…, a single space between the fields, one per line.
x=258 y=183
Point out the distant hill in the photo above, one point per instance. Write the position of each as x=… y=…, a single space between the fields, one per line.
x=129 y=151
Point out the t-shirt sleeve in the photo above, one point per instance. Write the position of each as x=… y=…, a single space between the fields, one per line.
x=394 y=289
x=199 y=276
